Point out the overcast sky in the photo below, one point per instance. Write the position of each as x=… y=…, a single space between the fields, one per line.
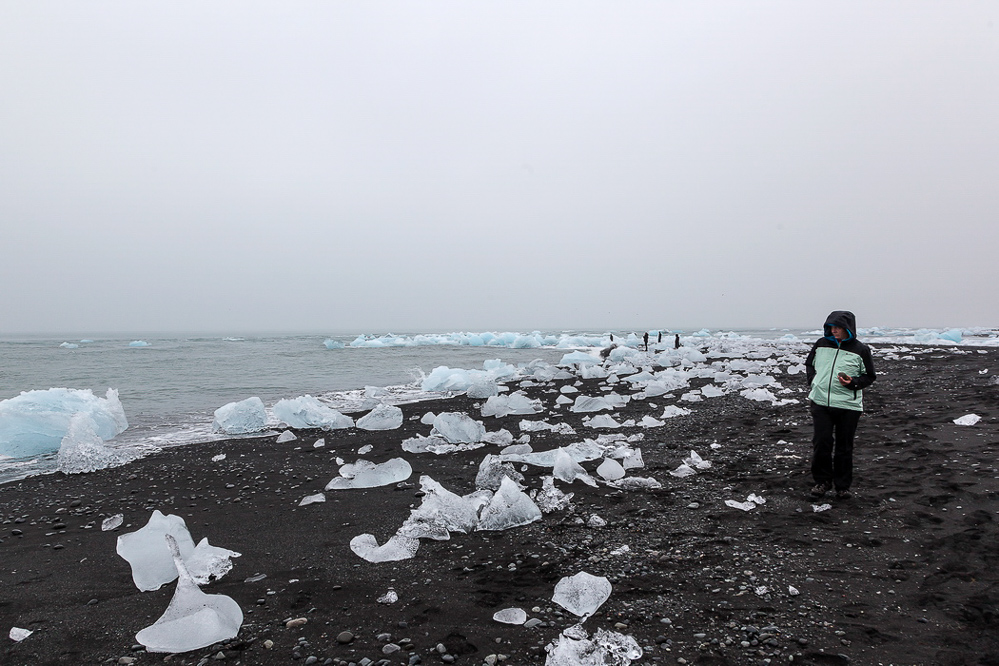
x=437 y=166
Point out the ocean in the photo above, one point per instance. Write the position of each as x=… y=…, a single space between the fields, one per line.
x=171 y=386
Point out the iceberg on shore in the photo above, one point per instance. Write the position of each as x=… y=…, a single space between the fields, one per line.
x=36 y=422
x=308 y=412
x=240 y=418
x=82 y=449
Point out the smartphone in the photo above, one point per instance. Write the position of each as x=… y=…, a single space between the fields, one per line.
x=844 y=376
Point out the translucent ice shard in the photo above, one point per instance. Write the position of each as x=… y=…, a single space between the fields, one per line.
x=208 y=563
x=602 y=421
x=240 y=418
x=366 y=474
x=312 y=499
x=684 y=470
x=550 y=498
x=193 y=619
x=458 y=428
x=17 y=634
x=397 y=548
x=389 y=597
x=636 y=483
x=610 y=470
x=82 y=449
x=511 y=616
x=309 y=412
x=568 y=470
x=745 y=506
x=382 y=417
x=286 y=436
x=492 y=471
x=515 y=403
x=111 y=522
x=695 y=461
x=482 y=387
x=587 y=404
x=442 y=512
x=968 y=420
x=147 y=553
x=672 y=411
x=509 y=507
x=582 y=594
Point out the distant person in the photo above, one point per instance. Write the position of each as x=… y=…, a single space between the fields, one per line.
x=676 y=341
x=660 y=340
x=605 y=352
x=838 y=369
x=645 y=338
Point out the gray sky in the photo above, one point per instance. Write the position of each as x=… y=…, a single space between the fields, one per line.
x=373 y=166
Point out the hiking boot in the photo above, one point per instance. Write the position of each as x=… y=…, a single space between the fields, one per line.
x=843 y=494
x=820 y=489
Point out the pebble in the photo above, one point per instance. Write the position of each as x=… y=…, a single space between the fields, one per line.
x=297 y=622
x=344 y=637
x=390 y=648
x=126 y=660
x=533 y=622
x=268 y=644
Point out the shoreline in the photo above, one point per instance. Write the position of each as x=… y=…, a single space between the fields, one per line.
x=902 y=573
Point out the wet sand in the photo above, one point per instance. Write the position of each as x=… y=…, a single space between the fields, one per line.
x=905 y=572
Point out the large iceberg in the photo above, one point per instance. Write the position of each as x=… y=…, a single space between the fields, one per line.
x=240 y=418
x=308 y=412
x=36 y=421
x=193 y=619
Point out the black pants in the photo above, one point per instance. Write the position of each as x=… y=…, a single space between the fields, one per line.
x=832 y=453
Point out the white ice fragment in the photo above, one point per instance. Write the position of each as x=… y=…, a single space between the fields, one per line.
x=585 y=403
x=511 y=616
x=193 y=619
x=695 y=461
x=672 y=411
x=442 y=512
x=968 y=420
x=596 y=521
x=492 y=471
x=17 y=634
x=308 y=412
x=112 y=522
x=745 y=506
x=582 y=594
x=286 y=436
x=147 y=553
x=602 y=421
x=82 y=450
x=240 y=418
x=208 y=563
x=312 y=499
x=515 y=403
x=550 y=498
x=458 y=428
x=382 y=417
x=819 y=508
x=756 y=499
x=218 y=458
x=396 y=548
x=793 y=591
x=501 y=437
x=610 y=470
x=509 y=507
x=482 y=386
x=649 y=422
x=683 y=471
x=428 y=418
x=320 y=443
x=568 y=470
x=761 y=590
x=366 y=474
x=389 y=597
x=636 y=483
x=364 y=450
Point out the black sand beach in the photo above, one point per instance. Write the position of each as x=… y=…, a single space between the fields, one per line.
x=905 y=572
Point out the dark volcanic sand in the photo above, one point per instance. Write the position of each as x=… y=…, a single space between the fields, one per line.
x=904 y=573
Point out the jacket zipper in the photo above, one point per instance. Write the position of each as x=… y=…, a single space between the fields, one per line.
x=832 y=371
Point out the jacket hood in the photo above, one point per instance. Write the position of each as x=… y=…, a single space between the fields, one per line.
x=843 y=318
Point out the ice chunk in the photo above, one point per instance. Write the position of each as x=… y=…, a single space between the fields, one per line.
x=364 y=450
x=603 y=421
x=366 y=474
x=509 y=507
x=596 y=521
x=458 y=428
x=286 y=436
x=515 y=403
x=421 y=444
x=492 y=471
x=193 y=619
x=482 y=387
x=580 y=452
x=218 y=457
x=428 y=418
x=389 y=597
x=579 y=358
x=147 y=553
x=550 y=498
x=585 y=403
x=819 y=508
x=568 y=470
x=240 y=418
x=330 y=343
x=745 y=506
x=112 y=522
x=582 y=594
x=442 y=512
x=968 y=420
x=308 y=412
x=683 y=471
x=649 y=422
x=36 y=421
x=382 y=417
x=397 y=548
x=696 y=461
x=759 y=395
x=312 y=499
x=610 y=470
x=208 y=563
x=319 y=443
x=511 y=616
x=517 y=449
x=17 y=634
x=501 y=437
x=82 y=449
x=672 y=411
x=636 y=483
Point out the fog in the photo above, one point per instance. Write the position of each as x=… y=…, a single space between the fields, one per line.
x=334 y=166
